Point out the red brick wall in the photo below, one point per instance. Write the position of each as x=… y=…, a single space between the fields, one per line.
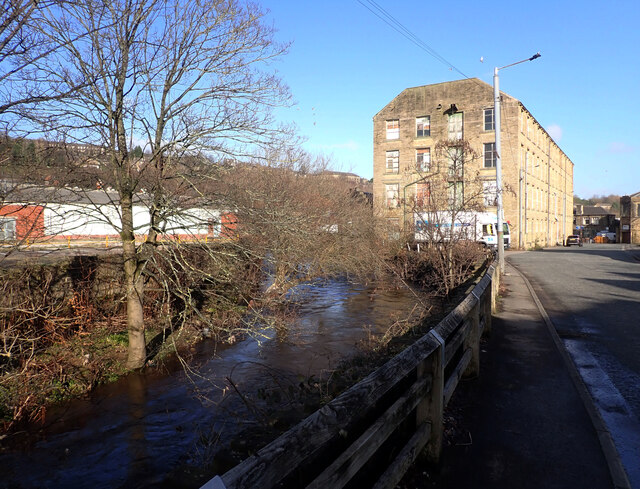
x=229 y=223
x=29 y=219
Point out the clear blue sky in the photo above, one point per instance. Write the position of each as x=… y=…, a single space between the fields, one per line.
x=345 y=64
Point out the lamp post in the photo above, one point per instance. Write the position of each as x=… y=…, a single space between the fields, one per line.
x=496 y=111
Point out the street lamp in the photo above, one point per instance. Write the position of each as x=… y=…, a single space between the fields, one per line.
x=496 y=111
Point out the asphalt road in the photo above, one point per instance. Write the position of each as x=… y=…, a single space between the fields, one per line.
x=592 y=294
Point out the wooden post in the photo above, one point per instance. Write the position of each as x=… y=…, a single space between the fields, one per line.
x=432 y=408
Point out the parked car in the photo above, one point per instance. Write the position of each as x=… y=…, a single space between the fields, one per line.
x=573 y=239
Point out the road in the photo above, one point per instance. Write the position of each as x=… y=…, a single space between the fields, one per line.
x=592 y=295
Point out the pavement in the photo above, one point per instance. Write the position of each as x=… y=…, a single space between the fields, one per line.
x=526 y=421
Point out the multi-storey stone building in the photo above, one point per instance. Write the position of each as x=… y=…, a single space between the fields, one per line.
x=537 y=176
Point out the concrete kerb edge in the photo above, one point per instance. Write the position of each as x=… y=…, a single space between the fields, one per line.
x=618 y=474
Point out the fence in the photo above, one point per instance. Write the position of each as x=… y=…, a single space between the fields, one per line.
x=370 y=434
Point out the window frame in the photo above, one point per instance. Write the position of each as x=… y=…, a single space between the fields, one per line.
x=394 y=188
x=492 y=124
x=456 y=163
x=420 y=163
x=395 y=166
x=490 y=153
x=453 y=121
x=423 y=193
x=490 y=193
x=8 y=230
x=425 y=132
x=392 y=130
x=455 y=194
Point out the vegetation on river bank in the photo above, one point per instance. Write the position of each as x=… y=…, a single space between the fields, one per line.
x=63 y=324
x=64 y=330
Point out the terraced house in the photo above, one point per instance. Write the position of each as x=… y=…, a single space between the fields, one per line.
x=537 y=176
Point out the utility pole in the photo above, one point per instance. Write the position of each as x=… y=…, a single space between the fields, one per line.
x=496 y=111
x=549 y=194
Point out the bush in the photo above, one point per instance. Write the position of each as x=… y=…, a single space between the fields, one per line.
x=440 y=268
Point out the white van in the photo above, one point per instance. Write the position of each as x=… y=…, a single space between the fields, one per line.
x=474 y=226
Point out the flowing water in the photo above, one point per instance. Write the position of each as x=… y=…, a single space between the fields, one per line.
x=144 y=429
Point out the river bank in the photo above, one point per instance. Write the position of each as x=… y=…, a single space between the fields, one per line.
x=63 y=325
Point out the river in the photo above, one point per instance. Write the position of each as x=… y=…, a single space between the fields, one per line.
x=150 y=428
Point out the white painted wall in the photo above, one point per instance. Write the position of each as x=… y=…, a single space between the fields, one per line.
x=92 y=220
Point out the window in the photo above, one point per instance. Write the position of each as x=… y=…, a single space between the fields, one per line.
x=392 y=192
x=456 y=163
x=423 y=191
x=393 y=129
x=487 y=230
x=489 y=155
x=423 y=126
x=7 y=229
x=423 y=159
x=455 y=126
x=489 y=121
x=456 y=194
x=638 y=210
x=393 y=161
x=490 y=193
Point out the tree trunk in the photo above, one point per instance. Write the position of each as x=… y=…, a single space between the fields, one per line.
x=135 y=290
x=135 y=317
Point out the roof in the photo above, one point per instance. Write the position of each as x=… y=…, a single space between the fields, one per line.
x=594 y=210
x=341 y=174
x=38 y=195
x=33 y=195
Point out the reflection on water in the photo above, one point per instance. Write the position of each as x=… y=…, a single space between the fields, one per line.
x=137 y=431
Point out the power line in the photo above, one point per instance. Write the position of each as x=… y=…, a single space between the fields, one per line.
x=396 y=25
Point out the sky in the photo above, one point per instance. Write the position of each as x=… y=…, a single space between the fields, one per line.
x=345 y=64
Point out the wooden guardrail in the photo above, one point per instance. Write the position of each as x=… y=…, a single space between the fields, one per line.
x=370 y=434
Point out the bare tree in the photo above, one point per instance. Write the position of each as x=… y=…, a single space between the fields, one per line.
x=17 y=42
x=444 y=207
x=24 y=50
x=301 y=220
x=184 y=80
x=26 y=53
